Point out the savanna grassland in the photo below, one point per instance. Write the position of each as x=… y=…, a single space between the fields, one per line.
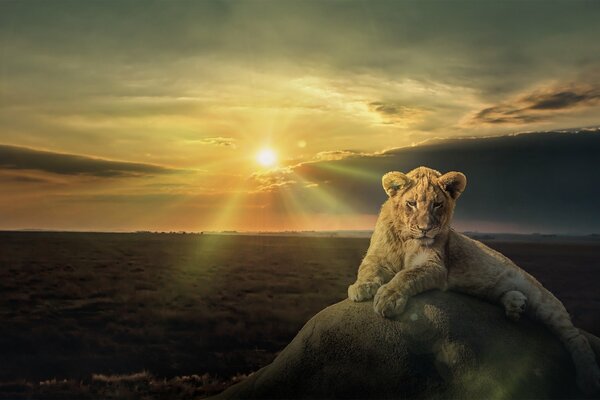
x=189 y=312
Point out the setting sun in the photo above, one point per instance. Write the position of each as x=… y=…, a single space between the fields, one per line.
x=266 y=157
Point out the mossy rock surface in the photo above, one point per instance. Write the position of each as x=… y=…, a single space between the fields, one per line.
x=445 y=345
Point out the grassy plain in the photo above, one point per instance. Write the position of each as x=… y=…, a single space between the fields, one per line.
x=77 y=304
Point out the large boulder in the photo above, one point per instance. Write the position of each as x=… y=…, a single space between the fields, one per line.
x=445 y=345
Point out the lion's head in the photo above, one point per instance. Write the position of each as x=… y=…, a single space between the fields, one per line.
x=423 y=201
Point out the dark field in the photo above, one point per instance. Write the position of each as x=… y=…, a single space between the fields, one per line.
x=77 y=304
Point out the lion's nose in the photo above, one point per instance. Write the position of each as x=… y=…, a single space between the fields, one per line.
x=425 y=229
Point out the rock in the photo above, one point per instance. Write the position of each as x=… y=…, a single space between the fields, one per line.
x=445 y=345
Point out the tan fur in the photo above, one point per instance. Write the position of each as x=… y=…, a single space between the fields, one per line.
x=413 y=249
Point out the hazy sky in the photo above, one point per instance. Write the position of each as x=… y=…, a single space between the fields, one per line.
x=122 y=115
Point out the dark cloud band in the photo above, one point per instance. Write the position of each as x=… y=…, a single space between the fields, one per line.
x=543 y=179
x=23 y=158
x=539 y=106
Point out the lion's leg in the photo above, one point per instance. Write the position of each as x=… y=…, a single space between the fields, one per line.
x=549 y=310
x=514 y=303
x=546 y=308
x=371 y=275
x=391 y=298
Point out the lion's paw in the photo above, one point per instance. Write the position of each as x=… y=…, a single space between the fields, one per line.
x=514 y=303
x=389 y=302
x=588 y=380
x=361 y=291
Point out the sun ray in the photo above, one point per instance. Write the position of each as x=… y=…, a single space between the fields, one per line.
x=321 y=198
x=354 y=172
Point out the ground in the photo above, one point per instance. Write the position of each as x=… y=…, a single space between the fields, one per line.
x=198 y=310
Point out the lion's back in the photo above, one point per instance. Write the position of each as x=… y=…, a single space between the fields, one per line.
x=475 y=268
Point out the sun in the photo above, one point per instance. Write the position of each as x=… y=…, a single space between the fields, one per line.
x=266 y=157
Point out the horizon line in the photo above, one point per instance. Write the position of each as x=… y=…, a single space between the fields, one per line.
x=234 y=232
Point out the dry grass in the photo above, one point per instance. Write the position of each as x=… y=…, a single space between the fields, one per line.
x=140 y=385
x=93 y=308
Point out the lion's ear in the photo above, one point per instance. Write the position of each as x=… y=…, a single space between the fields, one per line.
x=394 y=181
x=453 y=183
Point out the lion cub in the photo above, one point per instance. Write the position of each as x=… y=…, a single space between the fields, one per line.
x=413 y=249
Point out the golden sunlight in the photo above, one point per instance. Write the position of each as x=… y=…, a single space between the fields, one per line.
x=266 y=157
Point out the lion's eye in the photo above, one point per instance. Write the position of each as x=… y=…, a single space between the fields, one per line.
x=411 y=204
x=437 y=204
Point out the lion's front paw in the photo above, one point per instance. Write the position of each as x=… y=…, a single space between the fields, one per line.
x=514 y=303
x=389 y=302
x=588 y=380
x=361 y=291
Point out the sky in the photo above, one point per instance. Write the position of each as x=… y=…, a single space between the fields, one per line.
x=123 y=116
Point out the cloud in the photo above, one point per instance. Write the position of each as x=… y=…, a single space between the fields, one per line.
x=506 y=114
x=392 y=113
x=540 y=180
x=273 y=179
x=18 y=178
x=388 y=108
x=337 y=70
x=540 y=105
x=216 y=141
x=563 y=99
x=336 y=155
x=23 y=158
